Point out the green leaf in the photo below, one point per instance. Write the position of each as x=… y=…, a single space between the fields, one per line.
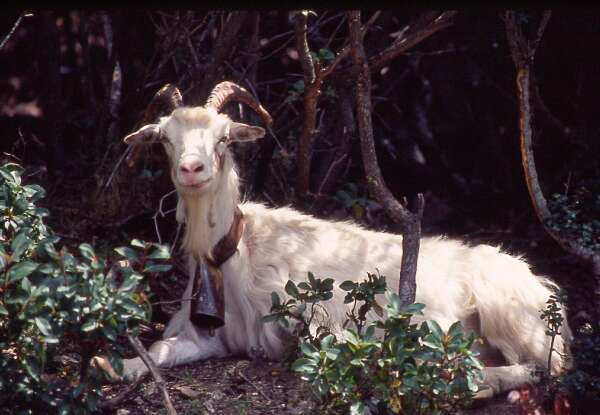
x=435 y=329
x=291 y=289
x=456 y=330
x=348 y=285
x=21 y=270
x=308 y=349
x=87 y=251
x=137 y=243
x=327 y=341
x=358 y=408
x=304 y=365
x=128 y=253
x=19 y=245
x=44 y=326
x=89 y=326
x=270 y=317
x=275 y=300
x=160 y=252
x=130 y=283
x=157 y=268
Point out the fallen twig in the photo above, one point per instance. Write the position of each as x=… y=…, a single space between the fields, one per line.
x=160 y=382
x=114 y=402
x=259 y=390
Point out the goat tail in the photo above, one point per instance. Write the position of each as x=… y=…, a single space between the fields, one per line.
x=509 y=300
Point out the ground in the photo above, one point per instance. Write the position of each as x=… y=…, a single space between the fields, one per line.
x=236 y=386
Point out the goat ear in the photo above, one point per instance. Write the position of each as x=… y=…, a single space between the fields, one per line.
x=147 y=134
x=239 y=132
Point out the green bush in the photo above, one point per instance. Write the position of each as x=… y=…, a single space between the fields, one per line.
x=582 y=383
x=405 y=368
x=577 y=215
x=53 y=302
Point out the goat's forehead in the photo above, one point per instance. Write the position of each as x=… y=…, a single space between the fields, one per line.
x=188 y=119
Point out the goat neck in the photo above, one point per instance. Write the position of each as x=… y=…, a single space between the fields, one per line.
x=209 y=216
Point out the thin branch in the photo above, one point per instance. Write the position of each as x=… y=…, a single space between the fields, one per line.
x=221 y=49
x=160 y=382
x=306 y=60
x=523 y=57
x=259 y=390
x=160 y=212
x=314 y=76
x=412 y=34
x=411 y=222
x=14 y=28
x=540 y=31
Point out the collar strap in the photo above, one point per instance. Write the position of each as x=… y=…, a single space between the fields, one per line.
x=228 y=244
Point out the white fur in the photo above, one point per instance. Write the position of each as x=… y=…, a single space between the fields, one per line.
x=492 y=293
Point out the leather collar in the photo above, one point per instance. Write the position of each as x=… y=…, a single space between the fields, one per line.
x=228 y=244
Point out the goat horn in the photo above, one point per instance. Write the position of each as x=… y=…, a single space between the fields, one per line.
x=227 y=91
x=164 y=102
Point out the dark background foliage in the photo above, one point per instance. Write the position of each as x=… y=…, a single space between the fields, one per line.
x=445 y=120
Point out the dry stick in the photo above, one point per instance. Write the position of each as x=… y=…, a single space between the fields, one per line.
x=160 y=382
x=314 y=75
x=523 y=56
x=114 y=402
x=253 y=385
x=411 y=222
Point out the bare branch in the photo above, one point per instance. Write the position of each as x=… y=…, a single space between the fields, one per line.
x=314 y=73
x=14 y=28
x=221 y=49
x=523 y=56
x=410 y=222
x=414 y=33
x=300 y=29
x=160 y=382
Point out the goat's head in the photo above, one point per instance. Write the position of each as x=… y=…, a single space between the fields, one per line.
x=196 y=139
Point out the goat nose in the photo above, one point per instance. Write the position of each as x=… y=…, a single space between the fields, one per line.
x=193 y=166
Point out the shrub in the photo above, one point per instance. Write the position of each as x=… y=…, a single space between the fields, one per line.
x=53 y=300
x=582 y=383
x=406 y=368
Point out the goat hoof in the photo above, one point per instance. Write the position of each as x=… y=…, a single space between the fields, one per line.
x=102 y=363
x=485 y=392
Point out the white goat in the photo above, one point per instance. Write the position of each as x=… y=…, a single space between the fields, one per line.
x=491 y=293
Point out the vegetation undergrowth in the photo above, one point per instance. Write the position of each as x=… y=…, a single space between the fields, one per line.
x=53 y=302
x=582 y=383
x=380 y=363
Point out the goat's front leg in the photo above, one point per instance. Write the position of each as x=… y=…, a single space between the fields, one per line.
x=167 y=353
x=504 y=378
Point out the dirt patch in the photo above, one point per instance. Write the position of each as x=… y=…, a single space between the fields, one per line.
x=235 y=386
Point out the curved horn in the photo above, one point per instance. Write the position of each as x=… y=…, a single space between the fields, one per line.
x=164 y=102
x=227 y=91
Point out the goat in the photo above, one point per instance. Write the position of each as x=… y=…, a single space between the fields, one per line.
x=492 y=293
